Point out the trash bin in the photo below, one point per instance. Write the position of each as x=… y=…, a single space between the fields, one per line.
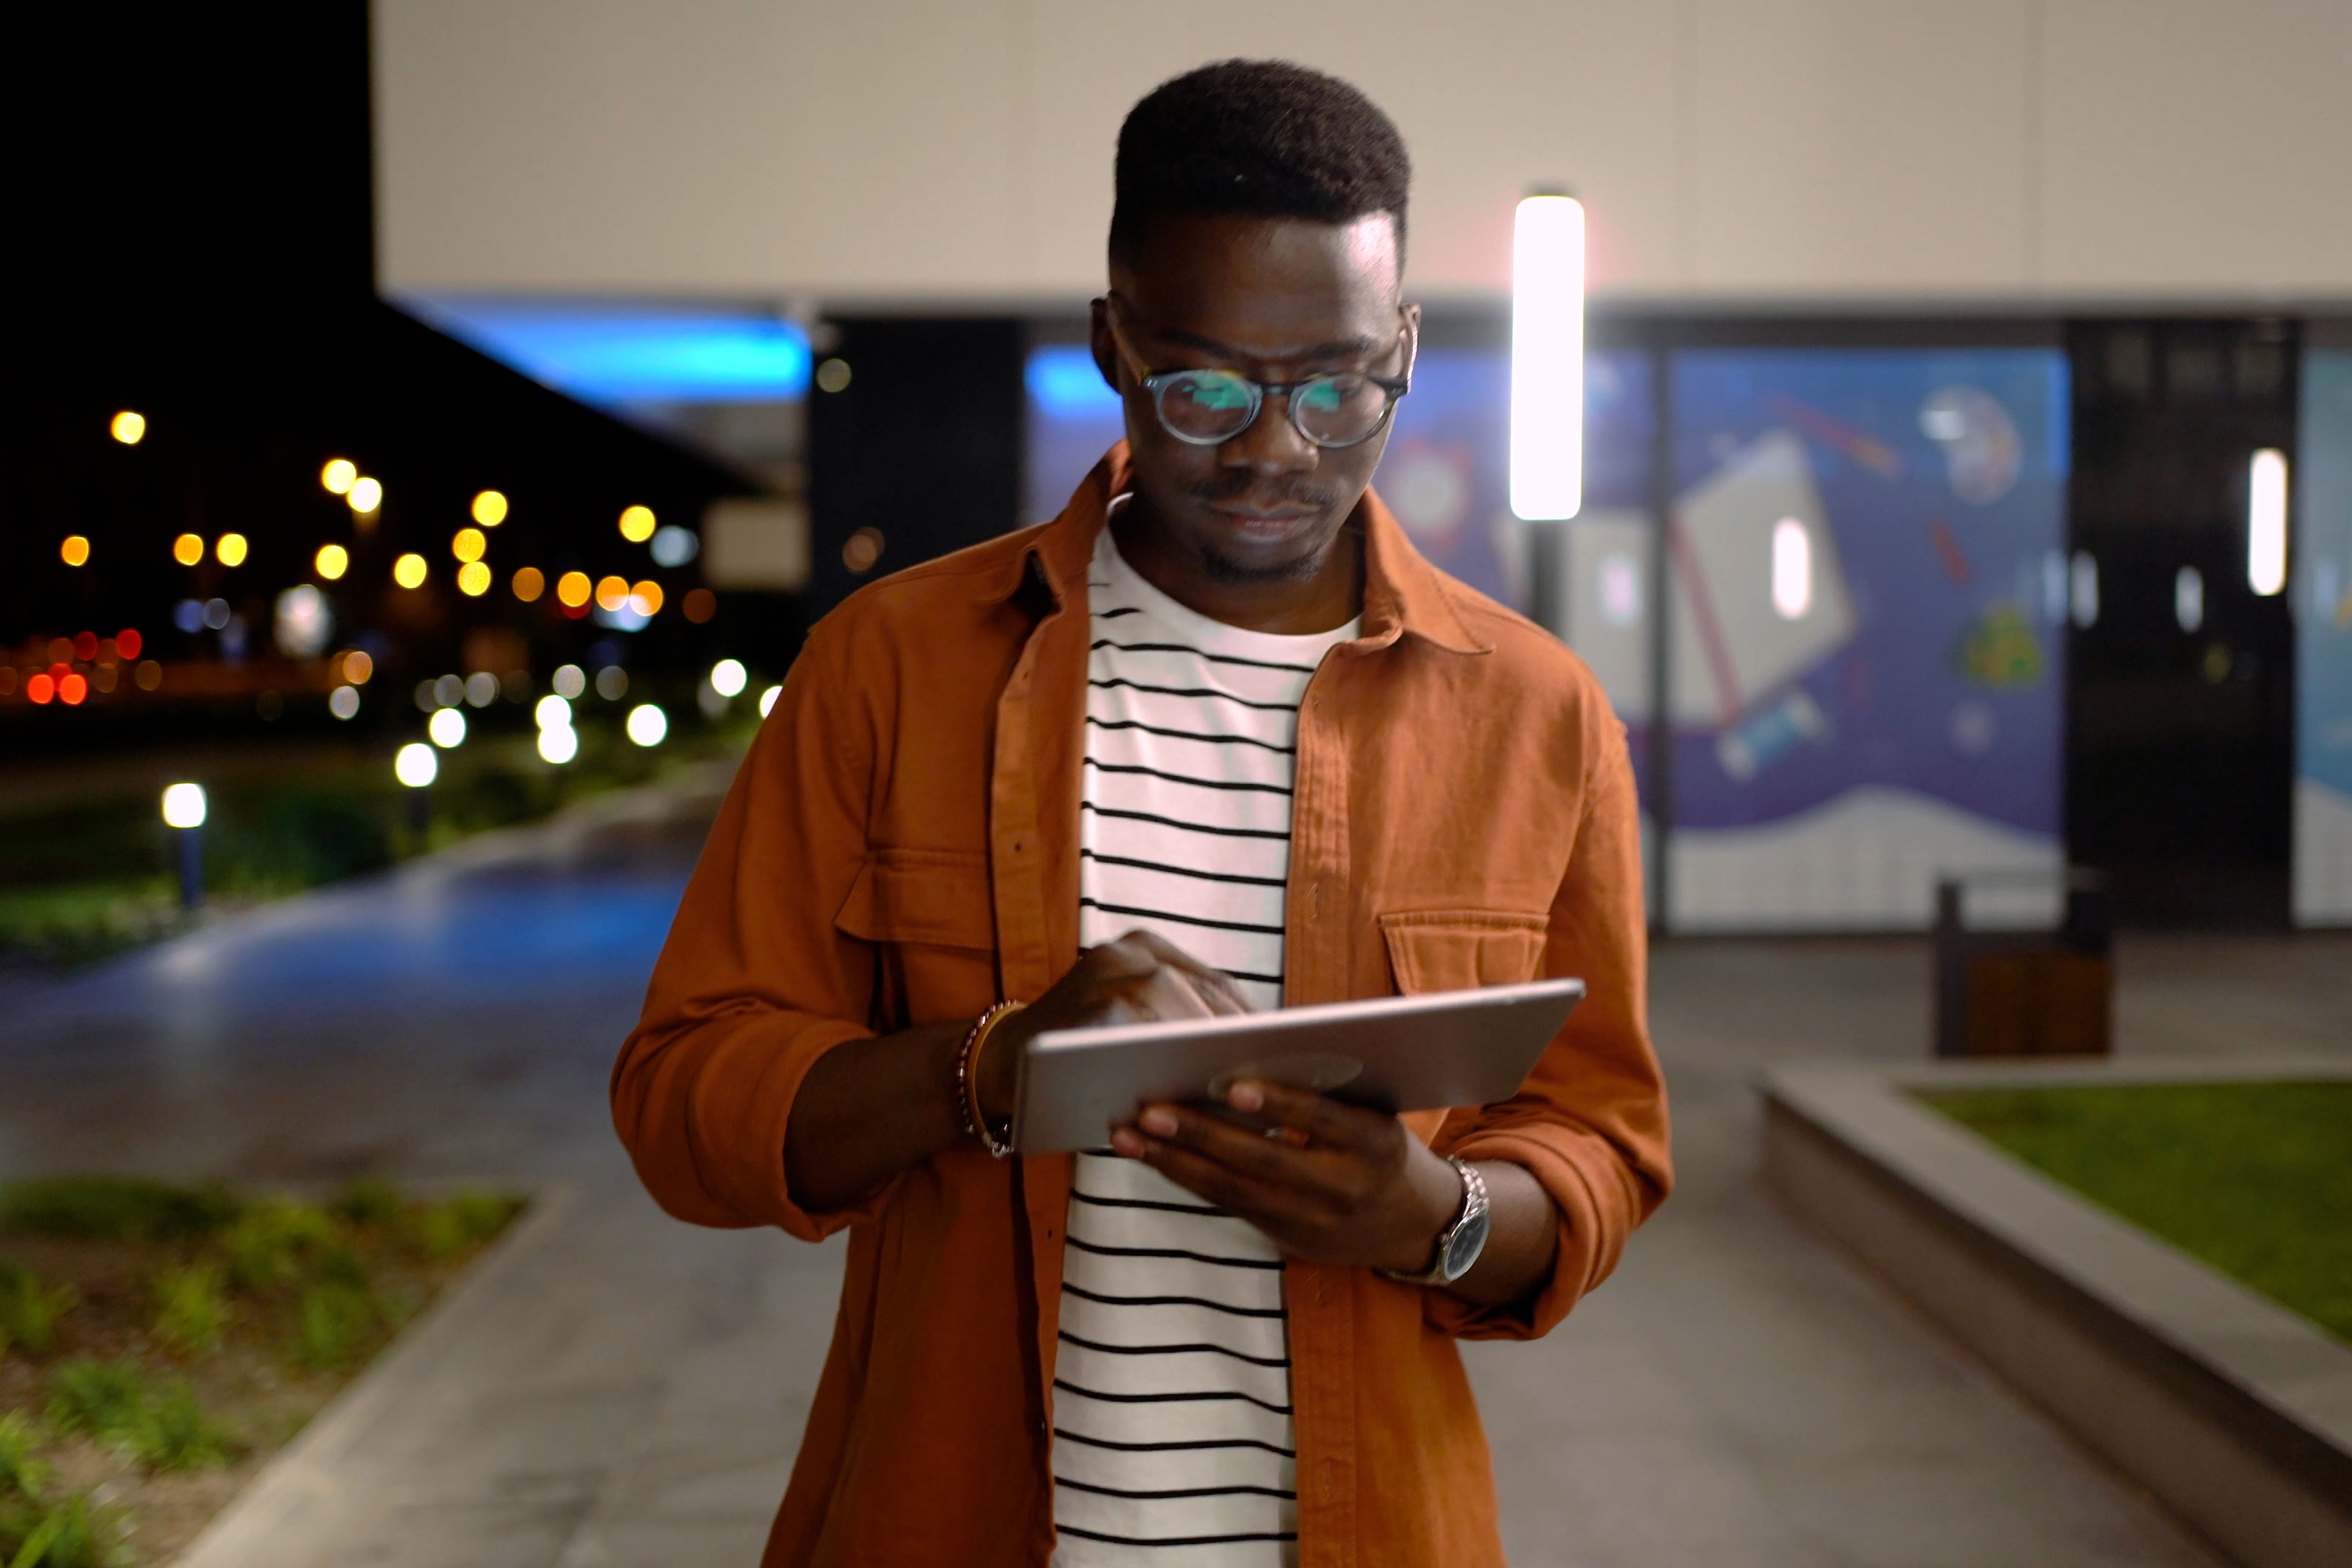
x=2046 y=992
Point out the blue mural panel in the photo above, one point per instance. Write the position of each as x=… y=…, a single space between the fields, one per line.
x=2321 y=586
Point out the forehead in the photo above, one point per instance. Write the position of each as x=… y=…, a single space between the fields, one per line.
x=1263 y=283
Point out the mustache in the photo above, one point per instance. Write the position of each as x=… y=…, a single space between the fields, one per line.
x=1243 y=488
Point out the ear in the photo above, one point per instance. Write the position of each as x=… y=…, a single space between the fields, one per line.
x=1099 y=339
x=1412 y=338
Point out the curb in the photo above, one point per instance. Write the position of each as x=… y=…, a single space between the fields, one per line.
x=305 y=1470
x=2233 y=1411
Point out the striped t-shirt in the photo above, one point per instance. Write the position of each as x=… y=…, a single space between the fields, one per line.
x=1172 y=1437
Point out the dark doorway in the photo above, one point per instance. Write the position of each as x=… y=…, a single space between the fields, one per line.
x=2180 y=726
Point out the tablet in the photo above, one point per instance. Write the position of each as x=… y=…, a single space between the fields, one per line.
x=1435 y=1050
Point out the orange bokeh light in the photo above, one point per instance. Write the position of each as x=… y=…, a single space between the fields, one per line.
x=72 y=689
x=700 y=605
x=572 y=589
x=529 y=583
x=41 y=688
x=648 y=597
x=611 y=593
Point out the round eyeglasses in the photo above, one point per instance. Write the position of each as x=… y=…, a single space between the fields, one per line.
x=1210 y=407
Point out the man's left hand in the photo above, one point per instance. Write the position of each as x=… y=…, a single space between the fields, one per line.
x=1334 y=1184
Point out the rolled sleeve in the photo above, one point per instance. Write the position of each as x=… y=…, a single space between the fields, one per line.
x=756 y=982
x=1590 y=1122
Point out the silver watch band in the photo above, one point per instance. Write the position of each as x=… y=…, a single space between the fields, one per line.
x=1471 y=1217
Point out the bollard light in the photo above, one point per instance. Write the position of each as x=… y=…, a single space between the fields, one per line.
x=648 y=724
x=1547 y=358
x=183 y=811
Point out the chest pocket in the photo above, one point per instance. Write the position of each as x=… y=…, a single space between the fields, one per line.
x=927 y=914
x=1455 y=949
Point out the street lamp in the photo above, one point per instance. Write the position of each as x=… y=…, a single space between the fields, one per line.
x=184 y=812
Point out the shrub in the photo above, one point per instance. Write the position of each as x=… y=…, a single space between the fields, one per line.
x=445 y=1228
x=175 y=1435
x=29 y=1310
x=336 y=1318
x=277 y=1241
x=163 y=1429
x=191 y=1309
x=114 y=1208
x=21 y=1475
x=108 y=1400
x=60 y=1536
x=369 y=1200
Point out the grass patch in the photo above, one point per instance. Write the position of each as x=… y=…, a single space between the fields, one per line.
x=168 y=1339
x=2253 y=1178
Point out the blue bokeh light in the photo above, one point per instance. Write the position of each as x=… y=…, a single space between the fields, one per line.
x=1065 y=384
x=623 y=351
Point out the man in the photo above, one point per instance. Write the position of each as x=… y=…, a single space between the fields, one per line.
x=1215 y=738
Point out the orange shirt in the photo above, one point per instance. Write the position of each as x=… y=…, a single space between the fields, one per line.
x=901 y=846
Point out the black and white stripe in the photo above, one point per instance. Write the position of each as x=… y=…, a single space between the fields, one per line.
x=1172 y=1430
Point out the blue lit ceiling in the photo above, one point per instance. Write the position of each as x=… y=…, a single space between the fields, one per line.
x=620 y=353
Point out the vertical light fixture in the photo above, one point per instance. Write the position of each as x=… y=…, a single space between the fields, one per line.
x=2266 y=522
x=1548 y=357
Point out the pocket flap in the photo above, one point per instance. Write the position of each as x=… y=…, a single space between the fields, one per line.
x=1455 y=949
x=938 y=897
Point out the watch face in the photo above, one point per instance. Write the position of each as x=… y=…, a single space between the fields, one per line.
x=1462 y=1248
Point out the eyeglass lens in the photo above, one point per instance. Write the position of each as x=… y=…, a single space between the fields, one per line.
x=1216 y=406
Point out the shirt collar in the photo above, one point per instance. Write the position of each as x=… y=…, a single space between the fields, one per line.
x=1403 y=592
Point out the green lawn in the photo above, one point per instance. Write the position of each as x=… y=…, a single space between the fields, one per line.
x=2254 y=1178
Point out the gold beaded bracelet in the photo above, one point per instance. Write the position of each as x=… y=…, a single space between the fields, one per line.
x=999 y=1141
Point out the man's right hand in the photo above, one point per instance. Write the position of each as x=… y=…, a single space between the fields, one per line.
x=1139 y=978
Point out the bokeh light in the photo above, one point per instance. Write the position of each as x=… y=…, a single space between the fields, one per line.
x=728 y=677
x=447 y=727
x=529 y=583
x=358 y=667
x=482 y=689
x=699 y=605
x=768 y=699
x=75 y=551
x=637 y=524
x=343 y=702
x=183 y=805
x=188 y=549
x=41 y=687
x=473 y=579
x=340 y=475
x=489 y=509
x=646 y=598
x=674 y=546
x=366 y=495
x=333 y=561
x=217 y=613
x=128 y=642
x=128 y=428
x=149 y=675
x=409 y=570
x=229 y=549
x=469 y=543
x=448 y=691
x=414 y=765
x=559 y=743
x=612 y=683
x=648 y=724
x=570 y=682
x=552 y=711
x=572 y=589
x=72 y=687
x=611 y=593
x=85 y=646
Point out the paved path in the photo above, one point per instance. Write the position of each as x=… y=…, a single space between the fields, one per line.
x=629 y=1390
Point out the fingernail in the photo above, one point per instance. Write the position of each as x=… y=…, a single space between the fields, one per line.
x=1128 y=1142
x=1246 y=1096
x=1159 y=1122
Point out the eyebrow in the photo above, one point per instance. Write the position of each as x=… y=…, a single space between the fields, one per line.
x=1339 y=350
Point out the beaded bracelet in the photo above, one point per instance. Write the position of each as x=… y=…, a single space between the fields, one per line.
x=968 y=1080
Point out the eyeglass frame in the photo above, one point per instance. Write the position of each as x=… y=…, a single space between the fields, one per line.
x=1154 y=383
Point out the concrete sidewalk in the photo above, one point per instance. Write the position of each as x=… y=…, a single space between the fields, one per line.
x=630 y=1391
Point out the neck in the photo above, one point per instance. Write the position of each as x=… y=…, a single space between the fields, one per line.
x=1326 y=593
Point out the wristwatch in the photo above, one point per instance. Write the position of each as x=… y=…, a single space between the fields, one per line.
x=1461 y=1242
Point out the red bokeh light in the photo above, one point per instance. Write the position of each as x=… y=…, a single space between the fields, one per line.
x=574 y=612
x=86 y=647
x=71 y=690
x=40 y=688
x=127 y=643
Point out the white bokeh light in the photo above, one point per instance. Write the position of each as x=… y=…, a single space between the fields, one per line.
x=728 y=677
x=447 y=727
x=648 y=724
x=415 y=765
x=183 y=805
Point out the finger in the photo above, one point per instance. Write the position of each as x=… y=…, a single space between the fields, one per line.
x=1217 y=1185
x=1322 y=1118
x=1175 y=957
x=1239 y=1149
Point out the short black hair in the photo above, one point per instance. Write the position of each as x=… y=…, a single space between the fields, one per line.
x=1263 y=137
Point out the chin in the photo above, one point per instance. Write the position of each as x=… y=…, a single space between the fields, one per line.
x=1228 y=559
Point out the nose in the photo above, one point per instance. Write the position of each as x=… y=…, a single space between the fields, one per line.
x=1271 y=445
